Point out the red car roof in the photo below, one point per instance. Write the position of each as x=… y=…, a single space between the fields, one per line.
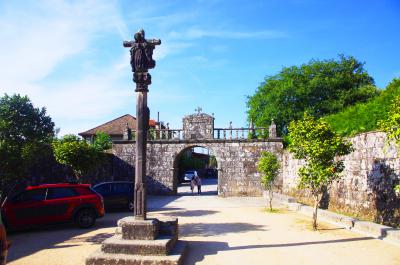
x=58 y=185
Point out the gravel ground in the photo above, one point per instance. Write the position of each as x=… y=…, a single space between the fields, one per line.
x=220 y=231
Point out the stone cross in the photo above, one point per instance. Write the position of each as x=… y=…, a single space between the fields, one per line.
x=141 y=61
x=199 y=110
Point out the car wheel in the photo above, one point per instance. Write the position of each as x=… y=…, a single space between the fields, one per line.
x=131 y=206
x=85 y=218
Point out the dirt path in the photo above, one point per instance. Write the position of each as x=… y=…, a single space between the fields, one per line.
x=220 y=231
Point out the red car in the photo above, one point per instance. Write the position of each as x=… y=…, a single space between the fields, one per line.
x=53 y=203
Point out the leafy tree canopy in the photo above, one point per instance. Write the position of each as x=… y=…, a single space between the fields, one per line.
x=268 y=166
x=318 y=87
x=24 y=130
x=314 y=141
x=365 y=116
x=20 y=122
x=76 y=153
x=391 y=125
x=102 y=141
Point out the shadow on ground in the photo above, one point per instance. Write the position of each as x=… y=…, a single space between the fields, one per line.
x=209 y=188
x=158 y=202
x=199 y=249
x=187 y=213
x=28 y=242
x=204 y=193
x=212 y=229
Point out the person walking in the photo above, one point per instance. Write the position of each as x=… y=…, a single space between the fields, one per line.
x=192 y=184
x=198 y=182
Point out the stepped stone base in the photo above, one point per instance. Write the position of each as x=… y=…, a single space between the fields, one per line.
x=174 y=258
x=141 y=242
x=160 y=246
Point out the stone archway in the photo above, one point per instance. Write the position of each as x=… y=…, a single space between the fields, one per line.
x=176 y=163
x=237 y=172
x=236 y=152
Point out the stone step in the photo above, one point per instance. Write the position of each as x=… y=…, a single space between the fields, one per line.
x=174 y=258
x=160 y=246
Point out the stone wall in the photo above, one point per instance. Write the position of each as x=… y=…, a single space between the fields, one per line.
x=237 y=173
x=48 y=170
x=366 y=188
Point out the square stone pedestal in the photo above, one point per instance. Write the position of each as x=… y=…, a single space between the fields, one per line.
x=135 y=242
x=139 y=229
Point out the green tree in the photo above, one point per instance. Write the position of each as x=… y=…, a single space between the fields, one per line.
x=24 y=133
x=365 y=116
x=76 y=153
x=102 y=141
x=318 y=87
x=268 y=166
x=391 y=125
x=314 y=141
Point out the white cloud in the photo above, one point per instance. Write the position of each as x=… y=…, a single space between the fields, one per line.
x=170 y=47
x=200 y=59
x=195 y=33
x=39 y=36
x=93 y=95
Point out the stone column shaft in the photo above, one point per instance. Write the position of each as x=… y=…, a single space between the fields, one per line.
x=142 y=117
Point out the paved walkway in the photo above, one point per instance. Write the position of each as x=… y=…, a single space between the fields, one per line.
x=220 y=231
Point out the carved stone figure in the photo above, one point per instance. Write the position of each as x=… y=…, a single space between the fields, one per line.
x=142 y=59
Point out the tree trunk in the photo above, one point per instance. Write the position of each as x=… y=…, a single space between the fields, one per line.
x=317 y=200
x=270 y=199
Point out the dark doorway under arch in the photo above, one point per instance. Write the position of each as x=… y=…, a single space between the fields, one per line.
x=196 y=159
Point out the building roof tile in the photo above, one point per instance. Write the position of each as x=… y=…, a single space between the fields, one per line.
x=116 y=127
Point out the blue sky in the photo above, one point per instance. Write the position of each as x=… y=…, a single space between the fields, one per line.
x=68 y=57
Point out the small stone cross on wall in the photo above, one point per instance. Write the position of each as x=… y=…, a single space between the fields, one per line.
x=199 y=110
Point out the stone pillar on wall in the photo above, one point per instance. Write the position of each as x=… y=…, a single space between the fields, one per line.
x=198 y=126
x=272 y=130
x=127 y=133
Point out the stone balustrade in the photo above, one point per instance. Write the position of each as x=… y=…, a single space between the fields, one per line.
x=218 y=134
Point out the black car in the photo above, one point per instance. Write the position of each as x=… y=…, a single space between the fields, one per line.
x=116 y=194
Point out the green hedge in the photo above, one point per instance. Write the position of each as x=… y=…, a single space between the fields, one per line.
x=364 y=117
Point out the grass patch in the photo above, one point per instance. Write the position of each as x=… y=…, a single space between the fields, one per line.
x=306 y=224
x=274 y=210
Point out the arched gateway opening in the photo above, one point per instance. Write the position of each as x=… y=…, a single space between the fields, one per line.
x=196 y=160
